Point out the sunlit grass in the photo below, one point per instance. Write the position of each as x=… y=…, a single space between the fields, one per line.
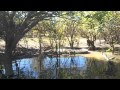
x=96 y=55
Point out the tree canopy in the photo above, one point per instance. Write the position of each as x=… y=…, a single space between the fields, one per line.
x=59 y=25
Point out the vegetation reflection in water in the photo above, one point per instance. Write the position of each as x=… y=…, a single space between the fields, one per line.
x=48 y=66
x=76 y=67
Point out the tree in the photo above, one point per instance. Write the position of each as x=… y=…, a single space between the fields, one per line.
x=111 y=29
x=92 y=23
x=14 y=25
x=71 y=32
x=89 y=29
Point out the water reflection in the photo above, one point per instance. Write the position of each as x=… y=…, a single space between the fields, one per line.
x=65 y=62
x=74 y=67
x=37 y=66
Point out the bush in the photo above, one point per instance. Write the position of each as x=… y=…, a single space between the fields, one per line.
x=109 y=50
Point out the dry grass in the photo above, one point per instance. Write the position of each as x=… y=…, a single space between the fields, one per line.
x=94 y=54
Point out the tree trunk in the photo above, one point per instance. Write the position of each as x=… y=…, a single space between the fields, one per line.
x=57 y=65
x=113 y=49
x=8 y=66
x=8 y=62
x=9 y=48
x=71 y=45
x=112 y=45
x=92 y=46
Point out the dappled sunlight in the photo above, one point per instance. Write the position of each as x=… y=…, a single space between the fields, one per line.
x=59 y=44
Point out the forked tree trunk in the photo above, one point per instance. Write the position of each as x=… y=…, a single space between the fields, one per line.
x=71 y=45
x=91 y=44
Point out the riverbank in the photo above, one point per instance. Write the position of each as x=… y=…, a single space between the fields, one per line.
x=33 y=44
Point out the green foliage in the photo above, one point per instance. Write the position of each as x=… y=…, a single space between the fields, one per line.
x=109 y=50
